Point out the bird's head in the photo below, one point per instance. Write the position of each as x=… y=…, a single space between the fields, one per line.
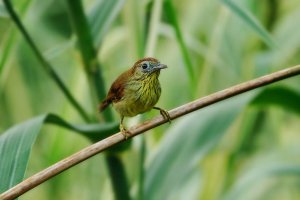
x=148 y=66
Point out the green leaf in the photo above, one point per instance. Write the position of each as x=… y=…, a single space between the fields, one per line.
x=287 y=38
x=101 y=16
x=8 y=45
x=172 y=17
x=15 y=147
x=252 y=179
x=3 y=12
x=88 y=53
x=94 y=132
x=10 y=36
x=185 y=144
x=16 y=144
x=251 y=21
x=44 y=63
x=280 y=96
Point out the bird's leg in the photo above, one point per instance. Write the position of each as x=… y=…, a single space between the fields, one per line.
x=164 y=113
x=123 y=129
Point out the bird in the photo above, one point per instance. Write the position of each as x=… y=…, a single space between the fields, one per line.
x=136 y=91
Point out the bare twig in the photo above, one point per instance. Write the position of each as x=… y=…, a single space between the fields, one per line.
x=104 y=144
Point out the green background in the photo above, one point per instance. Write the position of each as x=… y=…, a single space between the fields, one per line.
x=246 y=147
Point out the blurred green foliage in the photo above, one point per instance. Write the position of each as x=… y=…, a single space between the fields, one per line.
x=244 y=148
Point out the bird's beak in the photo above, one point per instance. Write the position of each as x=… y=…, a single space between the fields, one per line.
x=161 y=66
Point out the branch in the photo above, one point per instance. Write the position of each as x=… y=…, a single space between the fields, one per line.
x=106 y=143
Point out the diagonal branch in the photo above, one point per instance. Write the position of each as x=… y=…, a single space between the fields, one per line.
x=104 y=144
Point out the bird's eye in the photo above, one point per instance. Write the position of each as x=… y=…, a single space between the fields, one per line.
x=144 y=66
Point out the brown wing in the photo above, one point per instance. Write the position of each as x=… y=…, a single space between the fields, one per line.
x=116 y=90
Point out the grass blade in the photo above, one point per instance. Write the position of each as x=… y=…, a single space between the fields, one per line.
x=15 y=147
x=10 y=37
x=3 y=12
x=172 y=17
x=120 y=183
x=6 y=50
x=251 y=21
x=254 y=178
x=281 y=96
x=47 y=67
x=88 y=53
x=101 y=16
x=153 y=29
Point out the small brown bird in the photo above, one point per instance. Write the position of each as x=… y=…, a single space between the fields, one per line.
x=136 y=91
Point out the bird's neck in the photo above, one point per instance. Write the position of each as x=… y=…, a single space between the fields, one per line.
x=146 y=76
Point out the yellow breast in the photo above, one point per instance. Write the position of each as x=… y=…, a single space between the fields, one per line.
x=140 y=95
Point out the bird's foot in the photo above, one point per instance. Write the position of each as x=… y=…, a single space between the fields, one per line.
x=164 y=113
x=124 y=131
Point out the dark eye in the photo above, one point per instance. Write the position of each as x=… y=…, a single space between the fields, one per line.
x=144 y=66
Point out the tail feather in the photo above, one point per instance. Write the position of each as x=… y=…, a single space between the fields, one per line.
x=104 y=105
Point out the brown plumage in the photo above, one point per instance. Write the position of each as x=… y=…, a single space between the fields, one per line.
x=115 y=92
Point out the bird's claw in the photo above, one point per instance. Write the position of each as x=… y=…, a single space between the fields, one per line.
x=124 y=131
x=164 y=113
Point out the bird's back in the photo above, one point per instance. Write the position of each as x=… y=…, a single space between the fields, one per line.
x=116 y=91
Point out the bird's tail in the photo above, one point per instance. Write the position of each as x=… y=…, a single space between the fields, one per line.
x=103 y=105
